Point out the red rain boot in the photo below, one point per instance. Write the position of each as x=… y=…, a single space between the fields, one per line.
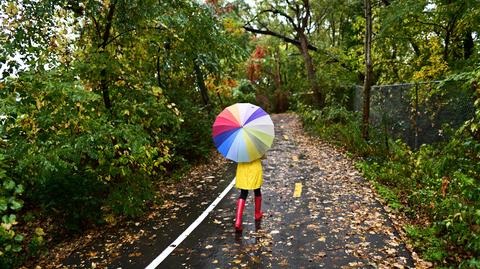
x=238 y=219
x=258 y=207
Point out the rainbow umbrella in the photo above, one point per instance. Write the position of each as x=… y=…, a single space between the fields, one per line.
x=243 y=132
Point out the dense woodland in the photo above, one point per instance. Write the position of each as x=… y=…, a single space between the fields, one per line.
x=103 y=99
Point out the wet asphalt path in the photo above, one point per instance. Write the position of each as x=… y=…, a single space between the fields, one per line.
x=334 y=222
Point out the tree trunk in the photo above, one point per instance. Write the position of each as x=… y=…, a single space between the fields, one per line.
x=201 y=84
x=467 y=45
x=368 y=70
x=333 y=28
x=277 y=76
x=310 y=69
x=447 y=44
x=102 y=46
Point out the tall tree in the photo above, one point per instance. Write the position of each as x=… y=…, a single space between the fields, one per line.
x=290 y=21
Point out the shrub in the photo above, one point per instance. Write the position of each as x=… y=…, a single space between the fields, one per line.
x=10 y=240
x=244 y=92
x=438 y=185
x=15 y=243
x=193 y=140
x=69 y=150
x=340 y=126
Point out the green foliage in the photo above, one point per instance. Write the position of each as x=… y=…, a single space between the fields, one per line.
x=98 y=118
x=438 y=184
x=129 y=195
x=427 y=241
x=193 y=141
x=69 y=149
x=75 y=198
x=414 y=41
x=10 y=203
x=14 y=239
x=244 y=92
x=338 y=125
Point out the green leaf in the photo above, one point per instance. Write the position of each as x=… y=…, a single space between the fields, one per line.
x=9 y=219
x=9 y=184
x=16 y=205
x=3 y=204
x=19 y=238
x=19 y=189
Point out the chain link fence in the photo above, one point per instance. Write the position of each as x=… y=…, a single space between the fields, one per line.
x=417 y=113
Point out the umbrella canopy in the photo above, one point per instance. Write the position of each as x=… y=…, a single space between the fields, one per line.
x=243 y=132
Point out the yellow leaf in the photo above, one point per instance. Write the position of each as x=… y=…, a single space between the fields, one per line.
x=39 y=232
x=110 y=219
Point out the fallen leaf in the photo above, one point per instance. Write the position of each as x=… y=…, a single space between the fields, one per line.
x=391 y=251
x=283 y=262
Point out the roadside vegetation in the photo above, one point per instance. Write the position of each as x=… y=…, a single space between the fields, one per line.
x=103 y=101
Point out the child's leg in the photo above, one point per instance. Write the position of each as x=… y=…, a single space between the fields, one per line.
x=243 y=194
x=258 y=204
x=240 y=207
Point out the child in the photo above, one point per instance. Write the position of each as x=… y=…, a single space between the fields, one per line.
x=248 y=177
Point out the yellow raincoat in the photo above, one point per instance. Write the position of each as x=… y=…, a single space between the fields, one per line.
x=249 y=175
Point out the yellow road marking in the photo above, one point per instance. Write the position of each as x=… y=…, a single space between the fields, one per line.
x=298 y=190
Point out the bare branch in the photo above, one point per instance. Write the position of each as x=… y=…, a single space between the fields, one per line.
x=283 y=14
x=283 y=37
x=305 y=18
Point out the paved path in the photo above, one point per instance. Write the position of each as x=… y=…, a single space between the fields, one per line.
x=319 y=213
x=335 y=222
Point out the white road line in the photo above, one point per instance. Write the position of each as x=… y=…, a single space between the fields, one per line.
x=190 y=229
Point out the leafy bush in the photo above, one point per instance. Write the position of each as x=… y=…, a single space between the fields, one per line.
x=10 y=203
x=338 y=125
x=193 y=140
x=244 y=92
x=71 y=151
x=14 y=241
x=76 y=199
x=438 y=185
